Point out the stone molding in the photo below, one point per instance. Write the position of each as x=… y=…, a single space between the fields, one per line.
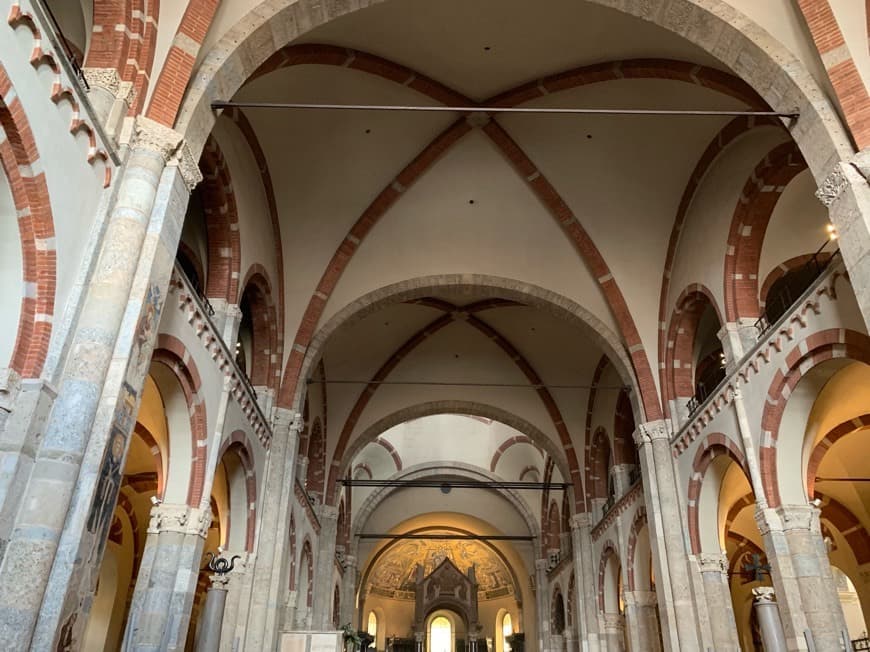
x=640 y=598
x=206 y=332
x=619 y=508
x=168 y=143
x=110 y=80
x=179 y=518
x=832 y=187
x=763 y=594
x=713 y=562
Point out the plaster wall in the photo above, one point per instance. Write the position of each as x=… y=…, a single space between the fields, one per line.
x=506 y=232
x=700 y=255
x=797 y=226
x=256 y=234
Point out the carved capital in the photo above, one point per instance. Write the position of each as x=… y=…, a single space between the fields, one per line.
x=763 y=594
x=711 y=562
x=832 y=187
x=219 y=582
x=542 y=564
x=650 y=432
x=110 y=80
x=580 y=521
x=155 y=137
x=179 y=518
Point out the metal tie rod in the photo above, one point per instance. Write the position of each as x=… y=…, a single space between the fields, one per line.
x=496 y=109
x=451 y=537
x=456 y=484
x=461 y=383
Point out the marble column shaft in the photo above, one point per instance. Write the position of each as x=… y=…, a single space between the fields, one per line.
x=542 y=600
x=586 y=578
x=720 y=609
x=641 y=621
x=614 y=634
x=212 y=617
x=675 y=594
x=96 y=368
x=324 y=566
x=348 y=591
x=806 y=594
x=166 y=584
x=238 y=590
x=269 y=580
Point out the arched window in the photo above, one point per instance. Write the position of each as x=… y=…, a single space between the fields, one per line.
x=372 y=627
x=507 y=630
x=440 y=635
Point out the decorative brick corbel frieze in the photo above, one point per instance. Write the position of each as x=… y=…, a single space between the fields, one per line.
x=60 y=90
x=788 y=330
x=195 y=315
x=628 y=499
x=170 y=144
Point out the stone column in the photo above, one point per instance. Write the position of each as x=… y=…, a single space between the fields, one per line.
x=348 y=591
x=542 y=598
x=327 y=515
x=586 y=578
x=212 y=618
x=768 y=620
x=289 y=611
x=680 y=629
x=642 y=622
x=166 y=585
x=614 y=632
x=806 y=593
x=269 y=576
x=717 y=593
x=111 y=98
x=419 y=641
x=846 y=195
x=87 y=432
x=238 y=591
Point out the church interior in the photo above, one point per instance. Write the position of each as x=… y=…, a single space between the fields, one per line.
x=414 y=326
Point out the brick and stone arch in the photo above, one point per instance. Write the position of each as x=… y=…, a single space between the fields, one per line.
x=600 y=463
x=553 y=526
x=468 y=314
x=786 y=267
x=218 y=201
x=237 y=459
x=715 y=453
x=305 y=586
x=391 y=450
x=753 y=211
x=185 y=411
x=260 y=324
x=800 y=362
x=557 y=611
x=178 y=67
x=687 y=343
x=343 y=457
x=504 y=446
x=159 y=480
x=608 y=579
x=191 y=264
x=123 y=38
x=729 y=134
x=291 y=581
x=30 y=253
x=824 y=445
x=624 y=450
x=849 y=526
x=316 y=460
x=639 y=554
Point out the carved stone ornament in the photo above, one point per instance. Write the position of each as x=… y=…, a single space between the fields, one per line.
x=579 y=521
x=713 y=563
x=832 y=187
x=110 y=80
x=763 y=594
x=179 y=518
x=170 y=144
x=649 y=432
